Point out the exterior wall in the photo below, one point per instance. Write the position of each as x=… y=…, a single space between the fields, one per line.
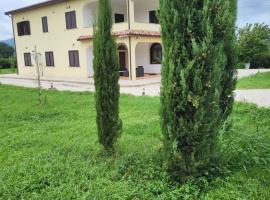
x=142 y=9
x=60 y=41
x=143 y=58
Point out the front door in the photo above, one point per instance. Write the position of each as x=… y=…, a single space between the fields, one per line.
x=122 y=60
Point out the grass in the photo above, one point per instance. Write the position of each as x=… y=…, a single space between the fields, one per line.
x=8 y=71
x=257 y=81
x=50 y=151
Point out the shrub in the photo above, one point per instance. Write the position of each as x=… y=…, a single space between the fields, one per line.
x=260 y=61
x=5 y=63
x=241 y=65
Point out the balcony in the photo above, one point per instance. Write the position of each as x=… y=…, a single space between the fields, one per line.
x=139 y=15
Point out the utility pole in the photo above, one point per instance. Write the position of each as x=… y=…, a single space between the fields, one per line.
x=36 y=56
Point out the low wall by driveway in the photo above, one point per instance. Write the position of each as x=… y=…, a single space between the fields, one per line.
x=249 y=72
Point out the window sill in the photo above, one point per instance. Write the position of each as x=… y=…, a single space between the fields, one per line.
x=74 y=66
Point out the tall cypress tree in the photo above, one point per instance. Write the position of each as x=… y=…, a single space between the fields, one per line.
x=106 y=68
x=195 y=66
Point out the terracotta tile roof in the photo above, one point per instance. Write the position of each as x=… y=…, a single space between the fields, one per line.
x=126 y=33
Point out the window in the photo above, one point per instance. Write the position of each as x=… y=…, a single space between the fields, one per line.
x=118 y=18
x=153 y=17
x=49 y=59
x=27 y=59
x=74 y=59
x=156 y=54
x=44 y=24
x=71 y=20
x=24 y=28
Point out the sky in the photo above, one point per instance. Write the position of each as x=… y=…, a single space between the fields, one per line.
x=249 y=11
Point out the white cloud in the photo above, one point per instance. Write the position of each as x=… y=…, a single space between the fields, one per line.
x=249 y=11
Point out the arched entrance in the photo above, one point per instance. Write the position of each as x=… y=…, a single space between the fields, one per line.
x=123 y=60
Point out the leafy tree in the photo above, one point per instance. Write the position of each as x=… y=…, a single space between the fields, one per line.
x=253 y=39
x=5 y=50
x=106 y=68
x=199 y=57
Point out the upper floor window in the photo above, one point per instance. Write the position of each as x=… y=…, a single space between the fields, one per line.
x=24 y=28
x=153 y=17
x=156 y=54
x=71 y=20
x=49 y=59
x=27 y=59
x=44 y=24
x=74 y=58
x=118 y=18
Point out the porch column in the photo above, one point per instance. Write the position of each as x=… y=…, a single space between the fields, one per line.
x=131 y=12
x=133 y=44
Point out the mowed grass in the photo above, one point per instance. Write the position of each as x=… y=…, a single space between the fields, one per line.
x=51 y=151
x=8 y=71
x=257 y=81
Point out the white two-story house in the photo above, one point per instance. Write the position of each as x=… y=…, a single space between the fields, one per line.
x=62 y=33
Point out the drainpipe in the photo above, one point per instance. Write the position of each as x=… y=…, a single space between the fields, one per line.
x=14 y=39
x=129 y=40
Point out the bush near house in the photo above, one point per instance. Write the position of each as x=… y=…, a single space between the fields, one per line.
x=51 y=151
x=241 y=65
x=261 y=60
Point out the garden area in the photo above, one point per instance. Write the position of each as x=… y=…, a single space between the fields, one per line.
x=51 y=151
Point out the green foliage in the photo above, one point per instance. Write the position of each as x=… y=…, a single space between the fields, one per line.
x=50 y=151
x=257 y=81
x=253 y=39
x=5 y=50
x=261 y=60
x=198 y=79
x=106 y=67
x=241 y=65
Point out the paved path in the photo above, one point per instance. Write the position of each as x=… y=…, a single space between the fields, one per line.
x=149 y=87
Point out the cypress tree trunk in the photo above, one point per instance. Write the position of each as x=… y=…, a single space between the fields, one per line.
x=106 y=75
x=195 y=68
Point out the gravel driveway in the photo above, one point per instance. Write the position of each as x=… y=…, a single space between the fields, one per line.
x=261 y=97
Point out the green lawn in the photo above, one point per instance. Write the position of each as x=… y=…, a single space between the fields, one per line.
x=8 y=71
x=257 y=81
x=51 y=152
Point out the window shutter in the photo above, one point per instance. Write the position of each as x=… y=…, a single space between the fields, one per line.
x=45 y=24
x=77 y=62
x=73 y=19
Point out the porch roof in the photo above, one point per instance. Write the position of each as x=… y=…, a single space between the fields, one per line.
x=126 y=33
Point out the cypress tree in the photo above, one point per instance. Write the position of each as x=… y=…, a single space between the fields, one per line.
x=195 y=67
x=106 y=75
x=229 y=76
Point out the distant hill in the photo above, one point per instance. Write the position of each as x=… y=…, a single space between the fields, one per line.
x=9 y=42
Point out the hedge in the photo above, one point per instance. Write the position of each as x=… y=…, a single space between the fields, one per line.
x=261 y=61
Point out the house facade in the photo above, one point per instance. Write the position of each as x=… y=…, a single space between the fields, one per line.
x=61 y=31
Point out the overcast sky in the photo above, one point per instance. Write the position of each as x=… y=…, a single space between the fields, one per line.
x=249 y=11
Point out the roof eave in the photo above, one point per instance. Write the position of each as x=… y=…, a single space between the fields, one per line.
x=34 y=6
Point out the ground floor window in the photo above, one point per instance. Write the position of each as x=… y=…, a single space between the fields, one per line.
x=27 y=59
x=49 y=59
x=156 y=53
x=74 y=59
